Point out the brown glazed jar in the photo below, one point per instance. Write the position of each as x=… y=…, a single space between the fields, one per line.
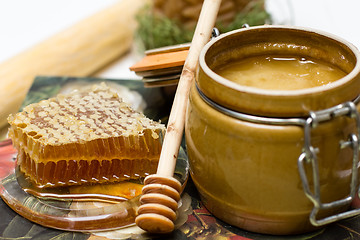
x=261 y=158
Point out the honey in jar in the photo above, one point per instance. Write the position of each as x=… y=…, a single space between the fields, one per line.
x=280 y=72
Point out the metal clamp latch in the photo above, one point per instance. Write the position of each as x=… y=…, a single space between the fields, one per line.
x=309 y=156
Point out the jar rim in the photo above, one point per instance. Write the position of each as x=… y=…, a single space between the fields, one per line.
x=240 y=91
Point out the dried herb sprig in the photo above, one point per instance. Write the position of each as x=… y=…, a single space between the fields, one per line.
x=253 y=15
x=157 y=31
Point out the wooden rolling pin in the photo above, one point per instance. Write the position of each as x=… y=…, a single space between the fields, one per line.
x=80 y=50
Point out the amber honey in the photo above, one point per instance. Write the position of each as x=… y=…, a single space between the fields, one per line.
x=111 y=192
x=280 y=72
x=72 y=172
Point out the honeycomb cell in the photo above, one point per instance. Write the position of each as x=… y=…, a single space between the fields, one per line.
x=85 y=137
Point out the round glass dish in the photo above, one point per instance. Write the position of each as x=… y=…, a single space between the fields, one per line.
x=76 y=214
x=62 y=209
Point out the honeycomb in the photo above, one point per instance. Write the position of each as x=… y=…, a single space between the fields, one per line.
x=85 y=137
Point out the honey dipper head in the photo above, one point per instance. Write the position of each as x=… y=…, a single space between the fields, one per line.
x=159 y=204
x=154 y=223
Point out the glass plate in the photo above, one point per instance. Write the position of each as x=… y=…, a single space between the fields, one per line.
x=74 y=214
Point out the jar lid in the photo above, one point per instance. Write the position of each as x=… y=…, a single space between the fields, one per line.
x=279 y=40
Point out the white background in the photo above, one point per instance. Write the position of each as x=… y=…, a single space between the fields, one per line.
x=24 y=23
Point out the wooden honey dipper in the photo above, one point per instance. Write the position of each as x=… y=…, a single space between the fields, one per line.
x=161 y=192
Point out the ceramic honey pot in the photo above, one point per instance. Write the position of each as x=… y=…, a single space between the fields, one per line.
x=275 y=161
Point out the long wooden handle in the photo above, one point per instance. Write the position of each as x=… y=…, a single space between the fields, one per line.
x=161 y=192
x=176 y=121
x=80 y=50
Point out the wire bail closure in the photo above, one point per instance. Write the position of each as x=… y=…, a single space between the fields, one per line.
x=309 y=153
x=309 y=156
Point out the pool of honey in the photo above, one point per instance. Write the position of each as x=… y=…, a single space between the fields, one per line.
x=279 y=72
x=102 y=192
x=76 y=208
